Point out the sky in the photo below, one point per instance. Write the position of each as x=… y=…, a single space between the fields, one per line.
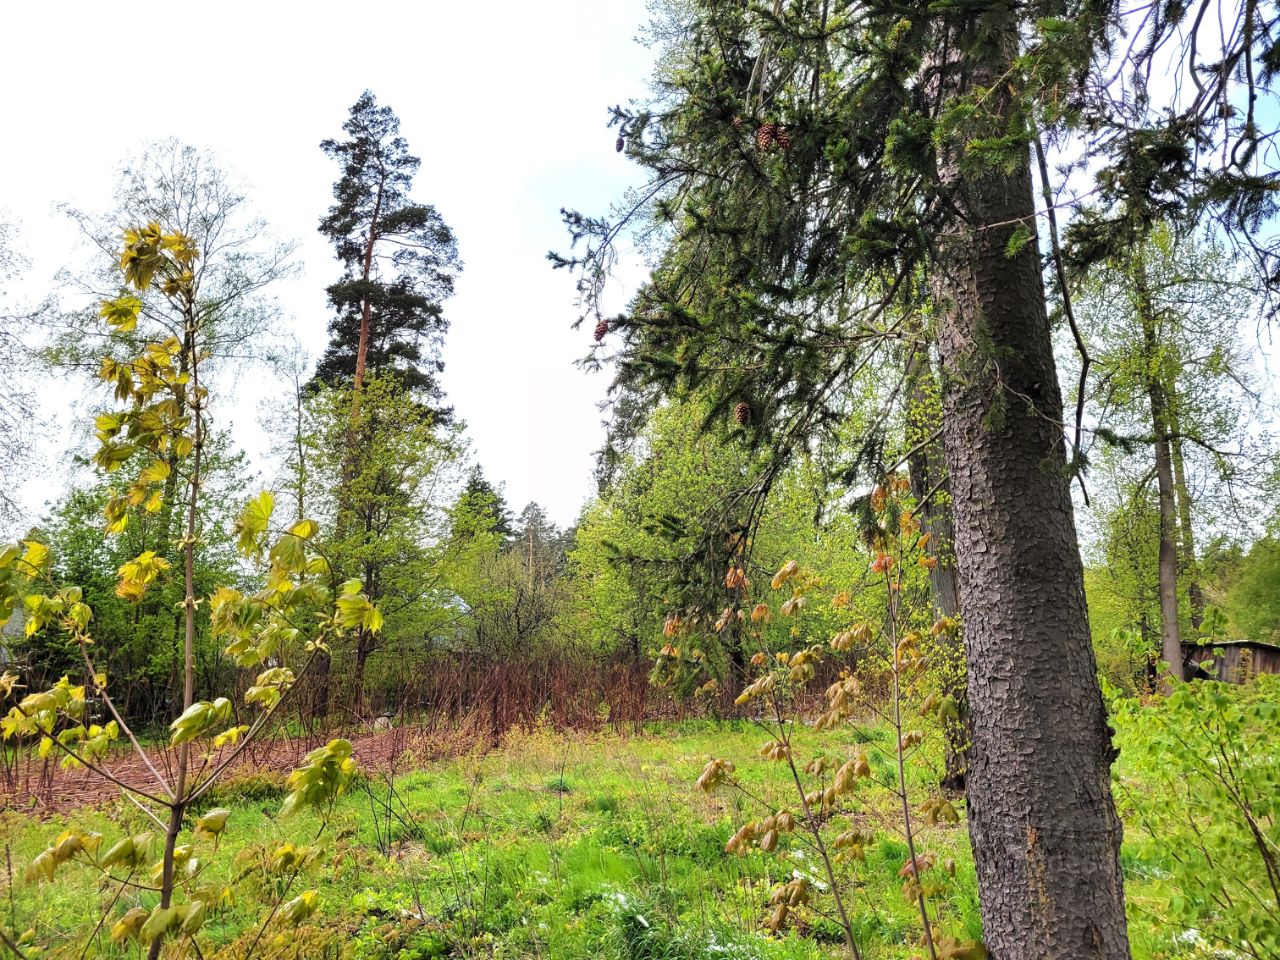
x=505 y=104
x=507 y=109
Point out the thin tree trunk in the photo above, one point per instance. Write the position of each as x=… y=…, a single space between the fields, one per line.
x=1150 y=671
x=927 y=469
x=900 y=755
x=178 y=807
x=299 y=448
x=364 y=647
x=1187 y=564
x=351 y=456
x=1170 y=637
x=171 y=516
x=1046 y=838
x=319 y=701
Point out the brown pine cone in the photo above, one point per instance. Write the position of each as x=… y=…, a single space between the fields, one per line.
x=766 y=136
x=742 y=413
x=737 y=123
x=601 y=329
x=782 y=138
x=621 y=142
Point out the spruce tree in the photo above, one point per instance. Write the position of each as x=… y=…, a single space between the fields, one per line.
x=399 y=262
x=825 y=172
x=484 y=499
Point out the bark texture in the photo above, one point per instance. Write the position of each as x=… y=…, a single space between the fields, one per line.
x=1045 y=834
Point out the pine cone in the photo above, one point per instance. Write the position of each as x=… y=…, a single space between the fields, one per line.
x=766 y=135
x=742 y=413
x=737 y=123
x=782 y=138
x=601 y=329
x=620 y=144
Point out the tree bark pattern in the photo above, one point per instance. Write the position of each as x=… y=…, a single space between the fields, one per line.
x=1046 y=837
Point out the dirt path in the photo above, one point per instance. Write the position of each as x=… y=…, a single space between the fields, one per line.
x=42 y=787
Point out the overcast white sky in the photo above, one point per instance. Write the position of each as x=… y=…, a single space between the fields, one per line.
x=505 y=103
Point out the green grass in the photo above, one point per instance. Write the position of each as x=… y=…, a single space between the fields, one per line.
x=556 y=846
x=553 y=845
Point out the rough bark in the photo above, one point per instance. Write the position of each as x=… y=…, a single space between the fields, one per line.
x=1170 y=637
x=1045 y=834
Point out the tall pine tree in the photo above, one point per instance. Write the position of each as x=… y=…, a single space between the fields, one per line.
x=399 y=262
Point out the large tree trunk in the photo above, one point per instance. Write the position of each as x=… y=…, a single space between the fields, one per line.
x=1170 y=638
x=1046 y=838
x=927 y=467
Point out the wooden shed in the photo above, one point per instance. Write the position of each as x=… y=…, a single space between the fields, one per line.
x=1231 y=660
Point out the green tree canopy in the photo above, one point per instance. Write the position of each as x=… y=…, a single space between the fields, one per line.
x=399 y=261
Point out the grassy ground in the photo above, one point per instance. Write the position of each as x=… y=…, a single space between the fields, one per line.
x=558 y=846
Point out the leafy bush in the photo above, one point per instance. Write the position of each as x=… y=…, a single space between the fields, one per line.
x=1200 y=783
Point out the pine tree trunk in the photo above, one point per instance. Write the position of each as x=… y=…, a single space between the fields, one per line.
x=1045 y=834
x=366 y=305
x=1170 y=638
